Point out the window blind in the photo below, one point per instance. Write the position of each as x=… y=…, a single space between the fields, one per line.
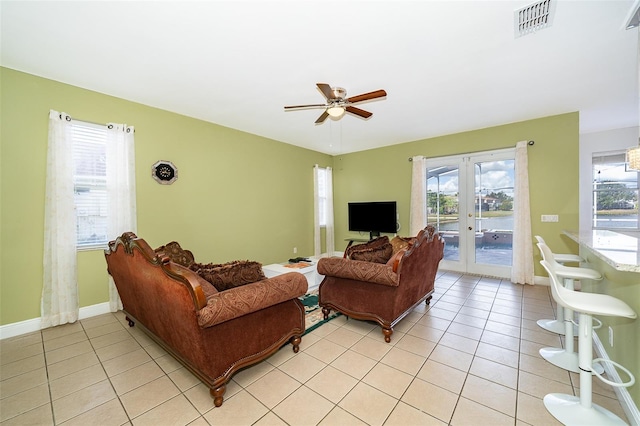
x=322 y=196
x=90 y=184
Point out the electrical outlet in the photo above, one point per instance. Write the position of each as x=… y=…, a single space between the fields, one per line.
x=610 y=336
x=295 y=250
x=549 y=218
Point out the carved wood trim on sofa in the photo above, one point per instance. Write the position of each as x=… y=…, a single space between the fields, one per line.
x=167 y=302
x=384 y=293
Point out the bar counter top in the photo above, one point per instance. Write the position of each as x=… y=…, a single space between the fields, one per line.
x=620 y=251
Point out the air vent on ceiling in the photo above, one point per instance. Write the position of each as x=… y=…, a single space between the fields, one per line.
x=633 y=19
x=534 y=17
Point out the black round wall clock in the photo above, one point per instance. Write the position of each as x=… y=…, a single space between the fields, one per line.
x=164 y=172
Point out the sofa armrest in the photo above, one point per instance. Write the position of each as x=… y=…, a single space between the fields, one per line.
x=359 y=270
x=238 y=301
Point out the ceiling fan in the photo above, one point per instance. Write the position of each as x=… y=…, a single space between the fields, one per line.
x=337 y=102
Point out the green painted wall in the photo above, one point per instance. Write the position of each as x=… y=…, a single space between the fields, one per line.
x=385 y=173
x=238 y=196
x=626 y=345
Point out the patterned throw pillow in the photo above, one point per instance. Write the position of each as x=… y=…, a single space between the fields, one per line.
x=375 y=243
x=378 y=250
x=400 y=243
x=207 y=288
x=177 y=254
x=229 y=275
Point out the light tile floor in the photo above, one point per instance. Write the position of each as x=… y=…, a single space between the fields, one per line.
x=471 y=357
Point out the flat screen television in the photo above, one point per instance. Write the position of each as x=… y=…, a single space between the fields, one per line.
x=373 y=217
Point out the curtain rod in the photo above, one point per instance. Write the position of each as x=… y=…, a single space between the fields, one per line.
x=530 y=143
x=70 y=118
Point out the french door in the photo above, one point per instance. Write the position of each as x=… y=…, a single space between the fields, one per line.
x=470 y=202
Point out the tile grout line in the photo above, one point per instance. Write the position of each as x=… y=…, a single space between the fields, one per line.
x=107 y=374
x=526 y=308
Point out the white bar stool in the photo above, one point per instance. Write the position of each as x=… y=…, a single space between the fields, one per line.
x=569 y=409
x=557 y=325
x=566 y=357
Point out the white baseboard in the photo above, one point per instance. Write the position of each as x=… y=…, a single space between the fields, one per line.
x=94 y=310
x=35 y=324
x=541 y=280
x=629 y=407
x=18 y=328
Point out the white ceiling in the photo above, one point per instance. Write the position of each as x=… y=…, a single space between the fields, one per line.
x=447 y=66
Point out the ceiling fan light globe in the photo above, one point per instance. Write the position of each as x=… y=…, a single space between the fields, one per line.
x=335 y=111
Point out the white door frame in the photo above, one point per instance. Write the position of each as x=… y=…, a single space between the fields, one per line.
x=466 y=210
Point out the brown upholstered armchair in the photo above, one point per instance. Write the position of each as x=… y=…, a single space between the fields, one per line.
x=382 y=292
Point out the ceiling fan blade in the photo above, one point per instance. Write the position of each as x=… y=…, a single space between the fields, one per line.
x=322 y=117
x=306 y=106
x=326 y=91
x=367 y=96
x=357 y=111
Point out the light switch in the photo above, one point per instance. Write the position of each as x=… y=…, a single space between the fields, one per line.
x=549 y=218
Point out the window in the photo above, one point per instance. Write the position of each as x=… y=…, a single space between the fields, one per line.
x=90 y=184
x=322 y=209
x=615 y=192
x=322 y=196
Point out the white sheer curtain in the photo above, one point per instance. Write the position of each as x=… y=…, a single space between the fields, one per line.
x=317 y=244
x=522 y=264
x=329 y=227
x=323 y=207
x=121 y=189
x=418 y=212
x=59 y=303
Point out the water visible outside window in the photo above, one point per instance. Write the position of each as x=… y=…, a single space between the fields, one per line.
x=615 y=193
x=492 y=210
x=494 y=182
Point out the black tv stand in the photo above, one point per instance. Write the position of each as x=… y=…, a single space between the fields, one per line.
x=354 y=240
x=372 y=235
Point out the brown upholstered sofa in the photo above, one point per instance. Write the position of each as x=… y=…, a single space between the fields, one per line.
x=382 y=292
x=212 y=333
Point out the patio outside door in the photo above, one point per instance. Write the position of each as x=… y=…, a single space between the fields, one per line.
x=470 y=202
